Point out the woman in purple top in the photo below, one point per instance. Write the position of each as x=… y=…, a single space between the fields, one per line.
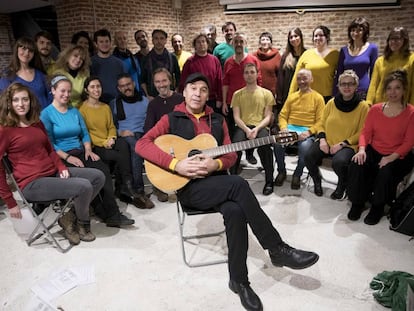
x=359 y=55
x=26 y=68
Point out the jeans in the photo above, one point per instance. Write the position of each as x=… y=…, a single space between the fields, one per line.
x=82 y=185
x=303 y=147
x=136 y=161
x=232 y=197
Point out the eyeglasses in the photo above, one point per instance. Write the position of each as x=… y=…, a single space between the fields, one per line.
x=347 y=84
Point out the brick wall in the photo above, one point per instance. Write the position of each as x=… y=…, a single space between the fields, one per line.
x=130 y=15
x=6 y=38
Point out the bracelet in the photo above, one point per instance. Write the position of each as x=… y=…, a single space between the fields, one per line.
x=67 y=157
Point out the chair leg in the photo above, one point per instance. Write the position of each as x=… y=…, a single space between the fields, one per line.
x=45 y=230
x=181 y=220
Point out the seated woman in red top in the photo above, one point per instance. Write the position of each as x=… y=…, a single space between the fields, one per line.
x=37 y=168
x=384 y=155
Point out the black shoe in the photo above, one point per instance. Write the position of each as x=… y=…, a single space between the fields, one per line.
x=268 y=188
x=280 y=178
x=285 y=255
x=295 y=185
x=118 y=220
x=355 y=211
x=248 y=297
x=251 y=159
x=339 y=194
x=317 y=186
x=374 y=216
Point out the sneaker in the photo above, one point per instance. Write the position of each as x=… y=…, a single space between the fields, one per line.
x=295 y=185
x=142 y=201
x=280 y=178
x=119 y=220
x=285 y=255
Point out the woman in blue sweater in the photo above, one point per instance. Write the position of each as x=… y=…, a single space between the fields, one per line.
x=69 y=135
x=358 y=55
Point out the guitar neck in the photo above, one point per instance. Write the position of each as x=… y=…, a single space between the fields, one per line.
x=244 y=145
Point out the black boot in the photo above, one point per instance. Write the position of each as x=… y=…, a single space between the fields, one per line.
x=375 y=214
x=317 y=184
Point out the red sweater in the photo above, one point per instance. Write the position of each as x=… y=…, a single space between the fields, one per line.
x=209 y=66
x=389 y=134
x=269 y=66
x=146 y=148
x=233 y=74
x=31 y=155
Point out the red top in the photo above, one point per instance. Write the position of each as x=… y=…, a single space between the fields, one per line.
x=31 y=156
x=209 y=66
x=233 y=74
x=146 y=148
x=389 y=134
x=269 y=63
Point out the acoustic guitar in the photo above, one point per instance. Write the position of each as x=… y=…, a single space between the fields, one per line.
x=181 y=148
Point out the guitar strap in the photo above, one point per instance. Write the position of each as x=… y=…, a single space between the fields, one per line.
x=182 y=126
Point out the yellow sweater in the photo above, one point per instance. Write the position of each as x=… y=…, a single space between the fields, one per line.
x=323 y=71
x=382 y=68
x=303 y=109
x=339 y=126
x=99 y=122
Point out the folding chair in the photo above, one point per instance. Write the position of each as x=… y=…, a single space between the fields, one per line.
x=182 y=212
x=42 y=211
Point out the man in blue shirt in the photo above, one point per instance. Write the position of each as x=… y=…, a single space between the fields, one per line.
x=129 y=110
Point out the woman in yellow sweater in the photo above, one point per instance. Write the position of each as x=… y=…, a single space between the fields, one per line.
x=73 y=62
x=342 y=122
x=322 y=61
x=99 y=121
x=397 y=55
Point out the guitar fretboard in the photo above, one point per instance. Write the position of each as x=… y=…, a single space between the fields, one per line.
x=282 y=139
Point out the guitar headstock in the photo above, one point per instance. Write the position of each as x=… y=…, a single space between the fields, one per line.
x=286 y=138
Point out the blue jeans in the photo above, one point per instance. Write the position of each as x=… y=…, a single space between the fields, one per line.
x=136 y=161
x=303 y=147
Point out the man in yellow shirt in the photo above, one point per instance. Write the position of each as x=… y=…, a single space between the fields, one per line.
x=177 y=44
x=302 y=113
x=252 y=110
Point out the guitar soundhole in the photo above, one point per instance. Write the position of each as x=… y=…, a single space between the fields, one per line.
x=193 y=152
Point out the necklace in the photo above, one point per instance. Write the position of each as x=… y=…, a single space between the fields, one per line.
x=392 y=110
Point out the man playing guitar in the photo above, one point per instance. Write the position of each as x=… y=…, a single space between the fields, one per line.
x=210 y=186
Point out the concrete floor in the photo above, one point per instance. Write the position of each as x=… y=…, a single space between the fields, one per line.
x=141 y=268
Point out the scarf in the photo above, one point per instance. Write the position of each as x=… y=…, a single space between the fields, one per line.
x=120 y=113
x=346 y=105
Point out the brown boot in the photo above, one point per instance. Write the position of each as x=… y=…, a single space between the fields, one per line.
x=69 y=226
x=85 y=233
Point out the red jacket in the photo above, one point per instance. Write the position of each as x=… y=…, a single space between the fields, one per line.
x=146 y=148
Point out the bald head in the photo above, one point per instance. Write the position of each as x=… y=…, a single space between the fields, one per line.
x=304 y=79
x=121 y=40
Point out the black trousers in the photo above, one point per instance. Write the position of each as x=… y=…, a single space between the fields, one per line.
x=369 y=179
x=340 y=162
x=106 y=206
x=120 y=156
x=265 y=153
x=232 y=197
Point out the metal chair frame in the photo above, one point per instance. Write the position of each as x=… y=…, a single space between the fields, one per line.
x=41 y=229
x=182 y=212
